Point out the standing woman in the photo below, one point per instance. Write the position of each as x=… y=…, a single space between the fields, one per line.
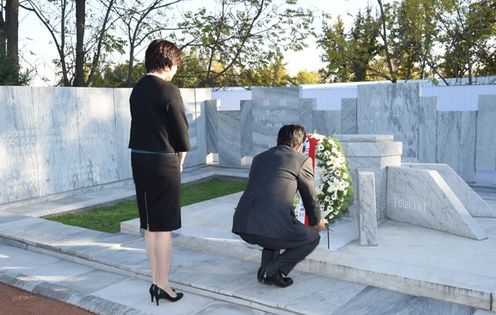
x=159 y=141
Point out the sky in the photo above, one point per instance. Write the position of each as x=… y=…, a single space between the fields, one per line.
x=37 y=50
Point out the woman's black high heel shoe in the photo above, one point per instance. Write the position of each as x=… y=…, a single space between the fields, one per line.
x=161 y=294
x=152 y=291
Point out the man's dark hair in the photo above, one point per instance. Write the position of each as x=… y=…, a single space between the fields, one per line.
x=161 y=54
x=291 y=135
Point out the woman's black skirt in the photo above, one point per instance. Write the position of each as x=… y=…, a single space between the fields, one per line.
x=157 y=178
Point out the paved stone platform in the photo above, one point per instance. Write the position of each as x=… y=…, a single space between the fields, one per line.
x=409 y=259
x=108 y=273
x=212 y=263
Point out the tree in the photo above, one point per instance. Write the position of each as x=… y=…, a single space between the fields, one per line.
x=117 y=76
x=60 y=21
x=80 y=26
x=10 y=72
x=242 y=35
x=306 y=77
x=272 y=74
x=467 y=35
x=140 y=20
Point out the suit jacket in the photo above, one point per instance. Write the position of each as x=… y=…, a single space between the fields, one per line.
x=158 y=120
x=266 y=206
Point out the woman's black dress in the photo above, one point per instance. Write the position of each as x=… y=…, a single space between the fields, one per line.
x=159 y=129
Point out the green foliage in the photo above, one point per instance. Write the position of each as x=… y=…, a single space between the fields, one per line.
x=108 y=218
x=306 y=77
x=412 y=39
x=117 y=76
x=9 y=75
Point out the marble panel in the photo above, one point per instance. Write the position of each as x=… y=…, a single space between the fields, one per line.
x=427 y=129
x=201 y=96
x=211 y=110
x=190 y=107
x=19 y=148
x=326 y=122
x=390 y=109
x=348 y=116
x=485 y=154
x=456 y=142
x=367 y=219
x=97 y=136
x=246 y=128
x=477 y=206
x=422 y=197
x=229 y=138
x=58 y=160
x=123 y=127
x=307 y=106
x=271 y=109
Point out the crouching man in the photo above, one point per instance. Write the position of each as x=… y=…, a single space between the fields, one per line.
x=265 y=212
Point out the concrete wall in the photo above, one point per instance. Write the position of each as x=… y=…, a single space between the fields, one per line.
x=60 y=139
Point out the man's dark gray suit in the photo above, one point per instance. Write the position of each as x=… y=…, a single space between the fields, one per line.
x=265 y=214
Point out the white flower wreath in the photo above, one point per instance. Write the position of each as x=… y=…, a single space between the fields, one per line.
x=335 y=192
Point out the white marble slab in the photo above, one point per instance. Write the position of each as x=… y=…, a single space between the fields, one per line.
x=485 y=154
x=427 y=129
x=307 y=107
x=19 y=119
x=456 y=142
x=477 y=206
x=211 y=109
x=348 y=116
x=390 y=109
x=97 y=136
x=246 y=123
x=123 y=127
x=367 y=218
x=422 y=197
x=326 y=122
x=229 y=138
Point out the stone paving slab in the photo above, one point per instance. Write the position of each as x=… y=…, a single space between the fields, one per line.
x=96 y=290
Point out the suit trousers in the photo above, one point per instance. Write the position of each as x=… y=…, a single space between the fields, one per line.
x=295 y=251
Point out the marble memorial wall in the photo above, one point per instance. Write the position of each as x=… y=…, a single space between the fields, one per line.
x=60 y=139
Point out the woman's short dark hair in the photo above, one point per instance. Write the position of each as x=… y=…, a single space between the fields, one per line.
x=161 y=54
x=291 y=135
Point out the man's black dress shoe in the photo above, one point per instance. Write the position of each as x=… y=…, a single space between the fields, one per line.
x=278 y=280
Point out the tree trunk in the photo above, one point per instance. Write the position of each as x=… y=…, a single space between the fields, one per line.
x=130 y=66
x=2 y=35
x=12 y=31
x=80 y=25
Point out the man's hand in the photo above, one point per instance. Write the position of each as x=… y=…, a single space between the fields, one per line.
x=321 y=225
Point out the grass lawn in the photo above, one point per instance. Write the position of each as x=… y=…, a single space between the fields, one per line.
x=108 y=218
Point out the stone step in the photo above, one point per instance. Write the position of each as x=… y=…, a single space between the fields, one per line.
x=225 y=278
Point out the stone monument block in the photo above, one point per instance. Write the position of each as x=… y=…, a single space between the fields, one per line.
x=271 y=109
x=211 y=110
x=374 y=152
x=427 y=130
x=246 y=128
x=477 y=206
x=367 y=214
x=456 y=142
x=348 y=116
x=390 y=109
x=422 y=197
x=229 y=138
x=307 y=107
x=486 y=133
x=326 y=122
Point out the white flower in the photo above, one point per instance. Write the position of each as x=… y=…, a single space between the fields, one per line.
x=320 y=147
x=337 y=173
x=327 y=198
x=345 y=175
